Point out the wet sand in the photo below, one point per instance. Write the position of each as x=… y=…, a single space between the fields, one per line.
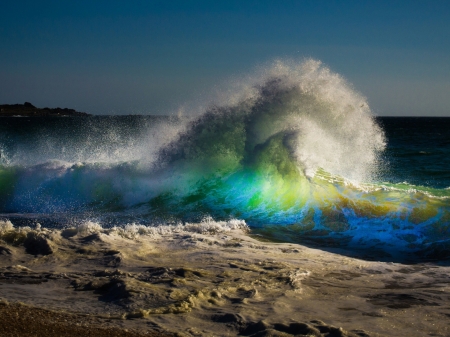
x=19 y=320
x=214 y=281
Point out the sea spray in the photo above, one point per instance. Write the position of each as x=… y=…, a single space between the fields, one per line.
x=321 y=121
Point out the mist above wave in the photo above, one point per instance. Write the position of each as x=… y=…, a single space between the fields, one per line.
x=318 y=117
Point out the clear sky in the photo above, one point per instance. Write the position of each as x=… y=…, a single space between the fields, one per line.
x=124 y=57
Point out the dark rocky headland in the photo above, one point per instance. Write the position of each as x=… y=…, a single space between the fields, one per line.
x=29 y=110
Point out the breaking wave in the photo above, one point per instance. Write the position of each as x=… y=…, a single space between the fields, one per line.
x=293 y=150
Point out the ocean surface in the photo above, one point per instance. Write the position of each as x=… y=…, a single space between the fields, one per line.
x=294 y=152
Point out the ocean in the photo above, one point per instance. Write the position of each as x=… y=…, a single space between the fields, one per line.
x=295 y=152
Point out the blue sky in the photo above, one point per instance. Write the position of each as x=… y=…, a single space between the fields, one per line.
x=122 y=57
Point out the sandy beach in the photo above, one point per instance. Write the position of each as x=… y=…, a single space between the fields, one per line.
x=23 y=320
x=211 y=279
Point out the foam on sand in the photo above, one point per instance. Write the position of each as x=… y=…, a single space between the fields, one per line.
x=212 y=278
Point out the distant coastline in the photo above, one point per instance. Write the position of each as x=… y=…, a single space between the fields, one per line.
x=29 y=110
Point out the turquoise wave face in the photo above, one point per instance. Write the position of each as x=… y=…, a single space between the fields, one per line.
x=277 y=200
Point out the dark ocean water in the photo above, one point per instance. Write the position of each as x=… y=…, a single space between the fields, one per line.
x=418 y=150
x=297 y=156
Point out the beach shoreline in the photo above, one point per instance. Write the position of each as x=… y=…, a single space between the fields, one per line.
x=213 y=281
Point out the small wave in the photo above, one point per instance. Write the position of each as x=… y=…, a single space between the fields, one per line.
x=134 y=230
x=207 y=226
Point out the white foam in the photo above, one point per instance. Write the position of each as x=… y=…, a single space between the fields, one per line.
x=89 y=227
x=134 y=230
x=6 y=226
